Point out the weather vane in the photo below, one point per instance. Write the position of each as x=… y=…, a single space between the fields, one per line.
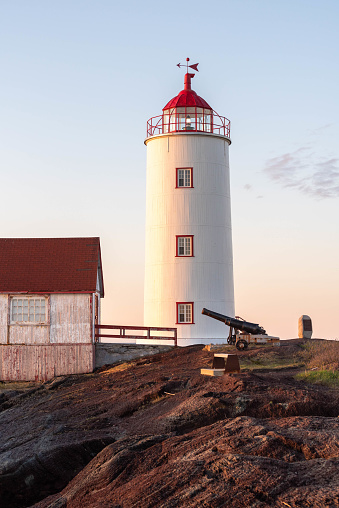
x=194 y=66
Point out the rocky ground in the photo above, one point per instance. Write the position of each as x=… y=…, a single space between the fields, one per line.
x=155 y=433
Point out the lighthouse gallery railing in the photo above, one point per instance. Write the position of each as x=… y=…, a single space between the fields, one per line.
x=165 y=124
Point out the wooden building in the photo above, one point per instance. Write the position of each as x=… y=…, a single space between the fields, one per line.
x=50 y=290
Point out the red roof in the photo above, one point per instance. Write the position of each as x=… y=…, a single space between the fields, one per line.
x=50 y=265
x=187 y=97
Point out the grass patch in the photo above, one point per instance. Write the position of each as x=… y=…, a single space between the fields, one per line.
x=322 y=354
x=322 y=377
x=17 y=385
x=117 y=368
x=269 y=363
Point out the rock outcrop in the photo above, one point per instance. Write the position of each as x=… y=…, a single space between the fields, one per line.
x=155 y=433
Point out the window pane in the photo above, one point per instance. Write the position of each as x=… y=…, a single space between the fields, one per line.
x=185 y=313
x=166 y=122
x=187 y=178
x=42 y=311
x=207 y=121
x=181 y=247
x=31 y=310
x=184 y=177
x=182 y=121
x=14 y=310
x=181 y=313
x=187 y=246
x=19 y=310
x=181 y=181
x=184 y=247
x=28 y=310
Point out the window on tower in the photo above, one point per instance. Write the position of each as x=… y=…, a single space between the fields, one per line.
x=184 y=246
x=184 y=177
x=185 y=313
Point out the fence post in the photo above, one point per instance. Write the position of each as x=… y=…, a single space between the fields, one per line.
x=175 y=337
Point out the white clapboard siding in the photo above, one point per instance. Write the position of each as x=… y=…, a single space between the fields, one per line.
x=203 y=211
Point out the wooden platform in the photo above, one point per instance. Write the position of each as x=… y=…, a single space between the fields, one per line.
x=228 y=362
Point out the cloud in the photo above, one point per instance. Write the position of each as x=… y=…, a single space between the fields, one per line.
x=304 y=171
x=320 y=129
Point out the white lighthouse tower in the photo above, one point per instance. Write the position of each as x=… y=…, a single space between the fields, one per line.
x=189 y=262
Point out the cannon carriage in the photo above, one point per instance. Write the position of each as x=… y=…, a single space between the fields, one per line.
x=242 y=332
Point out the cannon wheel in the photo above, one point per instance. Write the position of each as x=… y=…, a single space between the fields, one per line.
x=241 y=344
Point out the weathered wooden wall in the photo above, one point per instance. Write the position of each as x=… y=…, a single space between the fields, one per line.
x=28 y=334
x=43 y=362
x=70 y=318
x=64 y=345
x=70 y=321
x=3 y=318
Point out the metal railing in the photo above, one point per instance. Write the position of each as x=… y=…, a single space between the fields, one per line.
x=157 y=125
x=122 y=333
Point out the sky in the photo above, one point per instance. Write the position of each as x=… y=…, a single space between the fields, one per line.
x=80 y=79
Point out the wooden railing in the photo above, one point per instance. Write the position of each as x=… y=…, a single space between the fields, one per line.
x=122 y=333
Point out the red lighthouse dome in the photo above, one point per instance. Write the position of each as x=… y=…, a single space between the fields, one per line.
x=187 y=97
x=187 y=111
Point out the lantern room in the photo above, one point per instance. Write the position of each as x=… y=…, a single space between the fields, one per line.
x=187 y=112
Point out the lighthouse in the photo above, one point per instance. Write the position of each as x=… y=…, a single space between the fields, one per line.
x=188 y=253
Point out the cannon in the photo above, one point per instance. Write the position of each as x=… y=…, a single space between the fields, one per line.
x=251 y=332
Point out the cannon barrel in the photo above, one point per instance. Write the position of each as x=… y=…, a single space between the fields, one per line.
x=237 y=324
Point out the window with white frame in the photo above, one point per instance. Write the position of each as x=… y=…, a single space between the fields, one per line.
x=184 y=177
x=184 y=246
x=185 y=313
x=28 y=310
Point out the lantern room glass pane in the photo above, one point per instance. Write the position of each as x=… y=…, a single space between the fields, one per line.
x=165 y=120
x=188 y=119
x=200 y=119
x=207 y=120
